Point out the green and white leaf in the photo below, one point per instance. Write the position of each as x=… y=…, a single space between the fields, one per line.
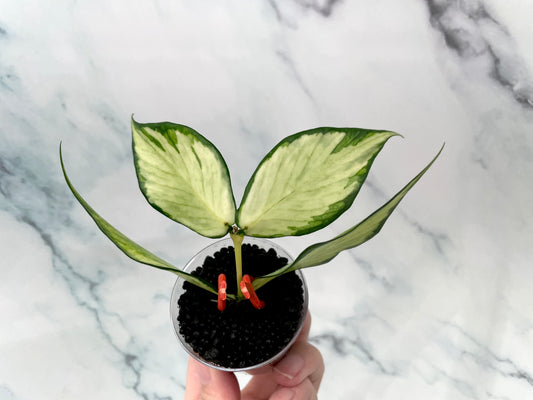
x=321 y=253
x=308 y=180
x=184 y=176
x=129 y=247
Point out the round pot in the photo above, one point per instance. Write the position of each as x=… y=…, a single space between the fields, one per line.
x=239 y=336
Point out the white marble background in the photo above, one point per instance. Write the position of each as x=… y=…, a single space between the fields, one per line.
x=438 y=306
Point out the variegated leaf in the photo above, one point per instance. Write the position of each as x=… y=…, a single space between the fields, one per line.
x=129 y=247
x=183 y=175
x=321 y=253
x=308 y=180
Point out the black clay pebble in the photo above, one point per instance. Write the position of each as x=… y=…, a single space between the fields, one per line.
x=241 y=335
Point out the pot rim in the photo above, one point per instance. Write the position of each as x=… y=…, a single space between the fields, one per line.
x=197 y=260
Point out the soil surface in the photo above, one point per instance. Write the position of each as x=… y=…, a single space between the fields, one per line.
x=241 y=335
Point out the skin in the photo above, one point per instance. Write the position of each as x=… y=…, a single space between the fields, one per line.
x=296 y=377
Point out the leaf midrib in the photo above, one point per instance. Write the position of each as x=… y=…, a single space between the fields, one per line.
x=299 y=182
x=292 y=192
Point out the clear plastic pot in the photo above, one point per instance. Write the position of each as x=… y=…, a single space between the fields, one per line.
x=198 y=260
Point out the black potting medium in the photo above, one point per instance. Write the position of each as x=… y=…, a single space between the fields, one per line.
x=241 y=335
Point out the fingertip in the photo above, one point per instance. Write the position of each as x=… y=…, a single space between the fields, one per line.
x=290 y=366
x=197 y=377
x=283 y=394
x=305 y=390
x=303 y=361
x=209 y=383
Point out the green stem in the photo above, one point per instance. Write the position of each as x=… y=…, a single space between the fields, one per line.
x=237 y=242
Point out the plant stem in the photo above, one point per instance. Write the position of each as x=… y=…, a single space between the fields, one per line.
x=237 y=242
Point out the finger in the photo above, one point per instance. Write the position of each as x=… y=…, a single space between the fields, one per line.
x=304 y=391
x=303 y=361
x=260 y=387
x=209 y=384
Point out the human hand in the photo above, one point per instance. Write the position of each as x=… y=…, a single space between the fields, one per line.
x=296 y=376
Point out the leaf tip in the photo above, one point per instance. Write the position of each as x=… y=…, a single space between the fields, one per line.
x=133 y=122
x=395 y=134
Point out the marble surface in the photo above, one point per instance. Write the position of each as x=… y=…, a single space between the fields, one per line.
x=438 y=306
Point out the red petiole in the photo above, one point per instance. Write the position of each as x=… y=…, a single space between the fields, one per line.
x=248 y=291
x=222 y=286
x=246 y=288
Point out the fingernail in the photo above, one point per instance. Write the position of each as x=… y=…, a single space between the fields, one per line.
x=290 y=366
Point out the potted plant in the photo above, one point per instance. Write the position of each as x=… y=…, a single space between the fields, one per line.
x=238 y=306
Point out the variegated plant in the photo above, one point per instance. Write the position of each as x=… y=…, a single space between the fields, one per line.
x=306 y=182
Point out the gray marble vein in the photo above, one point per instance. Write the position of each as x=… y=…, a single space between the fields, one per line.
x=470 y=31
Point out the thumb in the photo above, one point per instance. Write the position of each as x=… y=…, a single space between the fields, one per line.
x=210 y=384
